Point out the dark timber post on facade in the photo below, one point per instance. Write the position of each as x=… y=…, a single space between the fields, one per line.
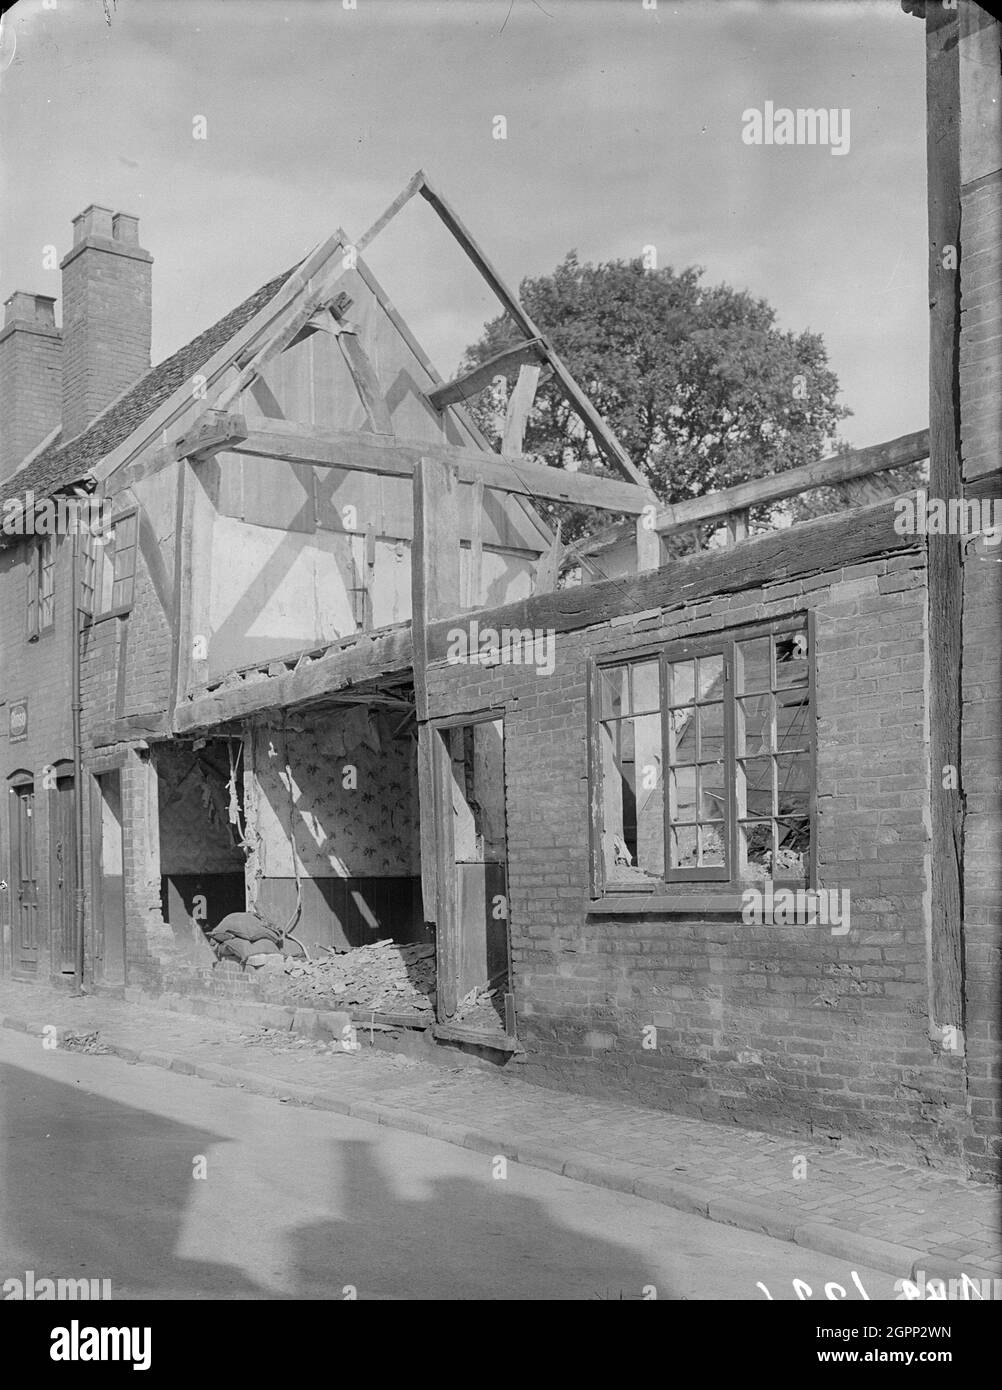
x=435 y=595
x=945 y=481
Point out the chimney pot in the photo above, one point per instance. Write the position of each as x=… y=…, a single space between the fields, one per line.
x=93 y=221
x=24 y=307
x=125 y=228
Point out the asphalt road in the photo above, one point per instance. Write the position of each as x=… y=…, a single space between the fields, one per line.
x=99 y=1164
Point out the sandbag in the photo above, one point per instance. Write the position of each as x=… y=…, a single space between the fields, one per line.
x=246 y=926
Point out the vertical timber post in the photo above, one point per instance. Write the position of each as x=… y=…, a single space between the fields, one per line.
x=945 y=587
x=435 y=593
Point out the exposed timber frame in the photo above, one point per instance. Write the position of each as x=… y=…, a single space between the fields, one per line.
x=813 y=547
x=369 y=453
x=730 y=506
x=364 y=658
x=605 y=440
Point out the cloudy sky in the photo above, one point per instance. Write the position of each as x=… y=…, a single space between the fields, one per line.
x=624 y=128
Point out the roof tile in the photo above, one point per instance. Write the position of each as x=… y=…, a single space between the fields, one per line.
x=60 y=464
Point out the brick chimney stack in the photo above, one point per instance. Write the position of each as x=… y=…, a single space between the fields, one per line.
x=30 y=376
x=107 y=314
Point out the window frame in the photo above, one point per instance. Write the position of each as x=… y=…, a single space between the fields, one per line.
x=40 y=548
x=104 y=582
x=716 y=881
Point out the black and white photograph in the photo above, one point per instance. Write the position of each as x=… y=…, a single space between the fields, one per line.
x=500 y=671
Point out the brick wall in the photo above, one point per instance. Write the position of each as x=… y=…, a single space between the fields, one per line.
x=31 y=352
x=125 y=670
x=39 y=672
x=789 y=1029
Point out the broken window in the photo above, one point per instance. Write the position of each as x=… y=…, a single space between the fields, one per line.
x=724 y=726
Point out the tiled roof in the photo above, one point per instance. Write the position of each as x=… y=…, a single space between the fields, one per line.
x=60 y=464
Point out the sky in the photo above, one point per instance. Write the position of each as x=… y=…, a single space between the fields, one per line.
x=623 y=126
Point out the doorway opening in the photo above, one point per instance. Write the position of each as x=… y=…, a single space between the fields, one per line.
x=108 y=878
x=202 y=861
x=63 y=874
x=474 y=964
x=25 y=882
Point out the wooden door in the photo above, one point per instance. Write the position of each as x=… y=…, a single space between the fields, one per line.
x=62 y=876
x=474 y=944
x=25 y=885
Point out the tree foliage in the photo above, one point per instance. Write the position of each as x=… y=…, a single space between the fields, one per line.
x=699 y=384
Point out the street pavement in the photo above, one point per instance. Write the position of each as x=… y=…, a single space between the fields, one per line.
x=101 y=1161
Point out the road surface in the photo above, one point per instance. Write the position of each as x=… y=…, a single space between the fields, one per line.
x=174 y=1187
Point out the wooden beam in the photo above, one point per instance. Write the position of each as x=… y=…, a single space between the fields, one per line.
x=434 y=558
x=281 y=338
x=369 y=453
x=367 y=385
x=435 y=591
x=474 y=381
x=910 y=448
x=547 y=568
x=946 y=581
x=597 y=427
x=519 y=404
x=476 y=543
x=398 y=202
x=364 y=658
x=812 y=547
x=129 y=727
x=648 y=546
x=212 y=432
x=737 y=527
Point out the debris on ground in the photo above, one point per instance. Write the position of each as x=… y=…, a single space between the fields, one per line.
x=481 y=1008
x=83 y=1042
x=383 y=977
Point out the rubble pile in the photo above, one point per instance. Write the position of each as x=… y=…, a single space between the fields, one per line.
x=481 y=1008
x=383 y=977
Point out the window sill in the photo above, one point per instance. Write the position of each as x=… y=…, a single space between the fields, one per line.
x=92 y=621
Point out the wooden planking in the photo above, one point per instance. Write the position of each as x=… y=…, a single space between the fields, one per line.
x=597 y=427
x=945 y=555
x=519 y=404
x=474 y=381
x=909 y=448
x=368 y=658
x=813 y=547
x=393 y=456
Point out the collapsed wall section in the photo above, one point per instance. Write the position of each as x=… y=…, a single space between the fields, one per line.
x=332 y=825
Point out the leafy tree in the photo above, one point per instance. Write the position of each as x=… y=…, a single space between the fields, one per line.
x=701 y=387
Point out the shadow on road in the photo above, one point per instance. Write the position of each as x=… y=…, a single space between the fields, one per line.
x=93 y=1188
x=468 y=1239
